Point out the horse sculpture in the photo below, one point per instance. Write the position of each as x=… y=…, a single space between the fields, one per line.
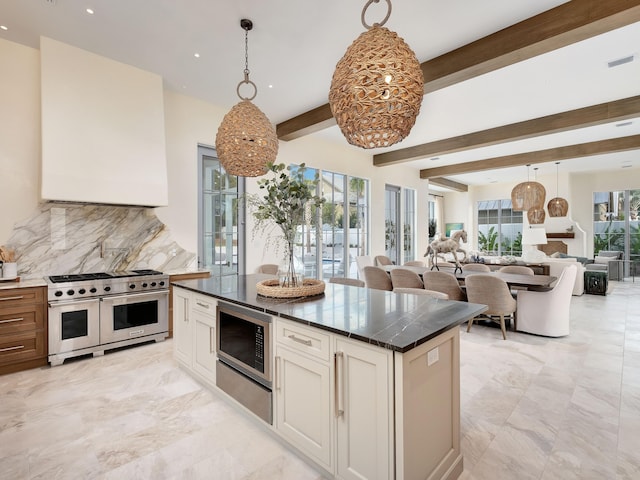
x=446 y=245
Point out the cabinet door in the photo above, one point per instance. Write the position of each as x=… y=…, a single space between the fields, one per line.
x=364 y=392
x=182 y=343
x=303 y=395
x=204 y=357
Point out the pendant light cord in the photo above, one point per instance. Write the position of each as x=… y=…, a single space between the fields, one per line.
x=246 y=25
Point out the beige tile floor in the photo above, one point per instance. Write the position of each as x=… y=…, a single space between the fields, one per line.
x=532 y=408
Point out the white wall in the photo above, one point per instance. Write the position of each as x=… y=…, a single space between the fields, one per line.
x=19 y=134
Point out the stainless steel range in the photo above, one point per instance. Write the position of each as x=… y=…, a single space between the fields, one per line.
x=94 y=312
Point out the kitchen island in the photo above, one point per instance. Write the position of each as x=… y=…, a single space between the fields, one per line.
x=365 y=382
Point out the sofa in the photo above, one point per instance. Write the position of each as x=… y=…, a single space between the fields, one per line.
x=608 y=261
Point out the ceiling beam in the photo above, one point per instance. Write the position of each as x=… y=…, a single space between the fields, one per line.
x=450 y=184
x=608 y=112
x=568 y=152
x=568 y=23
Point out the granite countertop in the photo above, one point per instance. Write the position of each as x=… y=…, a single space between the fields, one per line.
x=390 y=320
x=29 y=282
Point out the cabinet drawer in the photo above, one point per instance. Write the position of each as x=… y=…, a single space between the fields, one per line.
x=21 y=296
x=21 y=319
x=303 y=339
x=21 y=347
x=204 y=304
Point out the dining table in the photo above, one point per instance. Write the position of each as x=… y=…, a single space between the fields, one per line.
x=530 y=282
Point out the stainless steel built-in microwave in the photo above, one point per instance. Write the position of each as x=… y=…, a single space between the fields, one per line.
x=243 y=341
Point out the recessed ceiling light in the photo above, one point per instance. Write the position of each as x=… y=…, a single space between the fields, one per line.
x=624 y=124
x=270 y=86
x=621 y=61
x=3 y=27
x=435 y=158
x=90 y=11
x=197 y=55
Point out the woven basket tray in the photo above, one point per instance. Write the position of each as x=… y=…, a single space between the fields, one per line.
x=272 y=288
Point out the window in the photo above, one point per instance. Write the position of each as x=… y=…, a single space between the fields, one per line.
x=616 y=223
x=409 y=226
x=499 y=228
x=392 y=223
x=221 y=243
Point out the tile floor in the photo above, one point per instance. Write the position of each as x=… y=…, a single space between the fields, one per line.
x=532 y=408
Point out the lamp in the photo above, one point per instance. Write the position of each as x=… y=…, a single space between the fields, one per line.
x=246 y=141
x=558 y=207
x=527 y=195
x=533 y=236
x=377 y=87
x=536 y=214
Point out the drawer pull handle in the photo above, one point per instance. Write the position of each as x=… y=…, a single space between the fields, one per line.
x=338 y=367
x=308 y=343
x=203 y=305
x=11 y=320
x=20 y=297
x=8 y=349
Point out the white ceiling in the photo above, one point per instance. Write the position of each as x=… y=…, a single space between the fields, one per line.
x=295 y=45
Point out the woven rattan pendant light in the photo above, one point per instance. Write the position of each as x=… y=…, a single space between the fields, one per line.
x=246 y=140
x=557 y=207
x=536 y=215
x=527 y=195
x=377 y=87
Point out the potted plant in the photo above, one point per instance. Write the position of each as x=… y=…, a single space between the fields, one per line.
x=289 y=196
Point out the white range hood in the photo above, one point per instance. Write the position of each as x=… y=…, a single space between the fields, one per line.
x=103 y=137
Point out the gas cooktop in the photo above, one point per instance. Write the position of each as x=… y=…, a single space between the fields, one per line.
x=79 y=277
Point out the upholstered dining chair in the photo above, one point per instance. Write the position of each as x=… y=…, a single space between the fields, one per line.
x=404 y=278
x=422 y=291
x=414 y=263
x=354 y=282
x=363 y=261
x=519 y=269
x=382 y=260
x=495 y=293
x=270 y=268
x=547 y=313
x=475 y=267
x=375 y=277
x=444 y=282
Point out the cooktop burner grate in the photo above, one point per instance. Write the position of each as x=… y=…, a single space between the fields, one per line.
x=79 y=277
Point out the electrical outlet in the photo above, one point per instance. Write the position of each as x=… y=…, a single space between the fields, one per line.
x=433 y=356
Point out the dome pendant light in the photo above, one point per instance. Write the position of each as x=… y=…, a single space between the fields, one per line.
x=246 y=140
x=557 y=207
x=377 y=87
x=536 y=215
x=527 y=195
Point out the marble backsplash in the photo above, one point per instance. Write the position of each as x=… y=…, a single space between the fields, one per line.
x=64 y=238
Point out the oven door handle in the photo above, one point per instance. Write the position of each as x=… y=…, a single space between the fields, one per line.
x=71 y=302
x=135 y=295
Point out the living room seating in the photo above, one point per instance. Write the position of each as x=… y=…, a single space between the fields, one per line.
x=608 y=261
x=495 y=293
x=547 y=313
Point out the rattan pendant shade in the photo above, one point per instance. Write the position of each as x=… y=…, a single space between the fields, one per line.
x=536 y=215
x=557 y=206
x=246 y=140
x=377 y=88
x=528 y=195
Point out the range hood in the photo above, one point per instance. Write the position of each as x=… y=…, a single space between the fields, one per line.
x=102 y=130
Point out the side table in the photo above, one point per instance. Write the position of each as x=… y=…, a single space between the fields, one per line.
x=595 y=282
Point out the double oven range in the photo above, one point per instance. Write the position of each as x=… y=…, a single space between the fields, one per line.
x=94 y=312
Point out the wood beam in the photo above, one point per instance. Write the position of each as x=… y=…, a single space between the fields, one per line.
x=560 y=122
x=568 y=23
x=600 y=147
x=450 y=184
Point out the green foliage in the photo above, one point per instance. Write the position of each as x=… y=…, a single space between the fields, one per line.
x=512 y=247
x=610 y=239
x=488 y=243
x=288 y=197
x=433 y=226
x=389 y=235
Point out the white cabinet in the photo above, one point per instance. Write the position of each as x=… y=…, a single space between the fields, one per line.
x=303 y=391
x=182 y=326
x=194 y=333
x=364 y=400
x=334 y=401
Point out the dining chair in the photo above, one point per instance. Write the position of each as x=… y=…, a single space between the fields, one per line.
x=382 y=260
x=519 y=269
x=354 y=282
x=404 y=278
x=475 y=267
x=547 y=313
x=414 y=263
x=444 y=282
x=269 y=268
x=375 y=277
x=361 y=262
x=422 y=291
x=495 y=293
